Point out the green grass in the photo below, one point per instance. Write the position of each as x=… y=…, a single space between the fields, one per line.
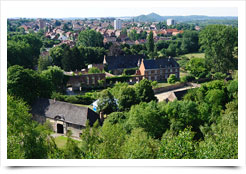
x=194 y=55
x=62 y=140
x=162 y=84
x=88 y=106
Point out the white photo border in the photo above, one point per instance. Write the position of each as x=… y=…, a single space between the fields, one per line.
x=240 y=5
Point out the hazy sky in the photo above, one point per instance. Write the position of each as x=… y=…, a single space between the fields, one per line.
x=62 y=9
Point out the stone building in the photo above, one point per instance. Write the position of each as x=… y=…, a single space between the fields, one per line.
x=63 y=116
x=86 y=80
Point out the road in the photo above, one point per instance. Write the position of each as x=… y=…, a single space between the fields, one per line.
x=164 y=95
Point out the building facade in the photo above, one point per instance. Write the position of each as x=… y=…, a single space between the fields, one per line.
x=117 y=24
x=170 y=22
x=159 y=69
x=86 y=81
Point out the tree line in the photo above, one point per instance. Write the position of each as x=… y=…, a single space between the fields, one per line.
x=200 y=126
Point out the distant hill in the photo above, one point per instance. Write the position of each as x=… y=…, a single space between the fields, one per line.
x=153 y=17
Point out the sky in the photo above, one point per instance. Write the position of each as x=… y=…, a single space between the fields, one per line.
x=63 y=9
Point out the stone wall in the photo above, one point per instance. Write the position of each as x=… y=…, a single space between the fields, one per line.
x=168 y=88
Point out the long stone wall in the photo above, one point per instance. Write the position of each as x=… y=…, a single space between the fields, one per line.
x=168 y=88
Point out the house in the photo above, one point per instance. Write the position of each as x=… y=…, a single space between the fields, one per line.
x=117 y=64
x=63 y=116
x=159 y=69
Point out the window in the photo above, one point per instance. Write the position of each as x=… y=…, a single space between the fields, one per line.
x=176 y=70
x=93 y=80
x=171 y=70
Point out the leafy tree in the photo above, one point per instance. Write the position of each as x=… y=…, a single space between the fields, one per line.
x=56 y=54
x=44 y=62
x=138 y=145
x=72 y=59
x=90 y=38
x=171 y=50
x=182 y=114
x=196 y=66
x=71 y=151
x=133 y=35
x=143 y=35
x=23 y=50
x=115 y=117
x=144 y=91
x=148 y=117
x=94 y=70
x=27 y=84
x=26 y=138
x=150 y=42
x=221 y=140
x=56 y=77
x=190 y=42
x=179 y=146
x=124 y=32
x=127 y=98
x=106 y=102
x=161 y=44
x=90 y=141
x=172 y=79
x=218 y=42
x=112 y=138
x=90 y=55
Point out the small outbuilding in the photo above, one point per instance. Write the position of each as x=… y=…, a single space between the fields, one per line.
x=63 y=116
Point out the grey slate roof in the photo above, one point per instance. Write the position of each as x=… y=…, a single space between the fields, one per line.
x=120 y=62
x=69 y=112
x=160 y=63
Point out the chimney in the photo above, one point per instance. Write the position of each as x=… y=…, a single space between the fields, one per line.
x=101 y=117
x=104 y=60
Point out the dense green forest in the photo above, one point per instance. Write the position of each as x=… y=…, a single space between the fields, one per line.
x=203 y=125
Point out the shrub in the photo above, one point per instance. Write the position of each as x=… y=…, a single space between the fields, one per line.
x=172 y=79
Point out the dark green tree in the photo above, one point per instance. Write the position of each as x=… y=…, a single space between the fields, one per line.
x=27 y=84
x=90 y=38
x=26 y=139
x=138 y=145
x=144 y=91
x=190 y=42
x=181 y=146
x=218 y=42
x=55 y=75
x=44 y=62
x=127 y=98
x=106 y=102
x=150 y=42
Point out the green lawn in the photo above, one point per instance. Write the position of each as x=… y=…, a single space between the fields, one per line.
x=162 y=84
x=88 y=106
x=194 y=55
x=62 y=140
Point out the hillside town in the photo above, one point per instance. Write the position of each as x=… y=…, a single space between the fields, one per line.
x=100 y=88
